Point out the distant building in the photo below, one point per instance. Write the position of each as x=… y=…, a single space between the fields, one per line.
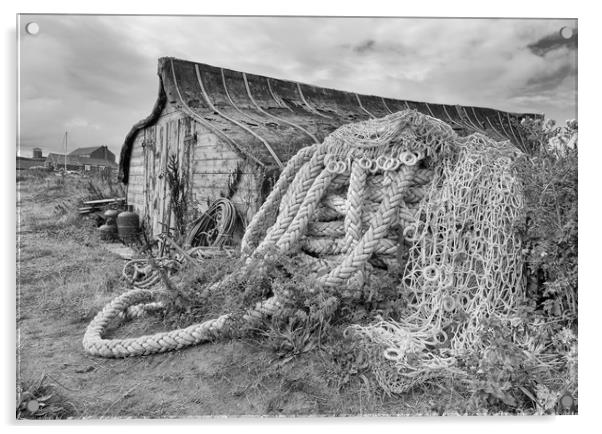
x=90 y=159
x=36 y=160
x=97 y=152
x=78 y=163
x=62 y=161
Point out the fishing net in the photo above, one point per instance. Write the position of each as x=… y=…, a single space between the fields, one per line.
x=464 y=266
x=351 y=208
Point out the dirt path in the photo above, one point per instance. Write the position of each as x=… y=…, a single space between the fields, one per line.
x=205 y=380
x=65 y=276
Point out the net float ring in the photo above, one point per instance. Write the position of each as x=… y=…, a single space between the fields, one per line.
x=441 y=337
x=409 y=233
x=447 y=279
x=431 y=273
x=392 y=163
x=448 y=303
x=381 y=161
x=393 y=354
x=409 y=158
x=373 y=166
x=332 y=166
x=341 y=167
x=365 y=163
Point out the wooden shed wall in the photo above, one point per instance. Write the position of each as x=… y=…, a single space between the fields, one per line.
x=208 y=164
x=216 y=166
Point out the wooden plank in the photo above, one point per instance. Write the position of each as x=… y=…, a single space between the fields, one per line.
x=145 y=154
x=137 y=172
x=103 y=201
x=211 y=179
x=221 y=166
x=214 y=189
x=210 y=153
x=137 y=148
x=136 y=185
x=138 y=201
x=137 y=162
x=210 y=141
x=138 y=189
x=165 y=157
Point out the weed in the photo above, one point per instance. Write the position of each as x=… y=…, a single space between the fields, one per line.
x=178 y=196
x=41 y=400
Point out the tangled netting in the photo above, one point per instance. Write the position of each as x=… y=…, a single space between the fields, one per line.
x=344 y=207
x=144 y=274
x=465 y=265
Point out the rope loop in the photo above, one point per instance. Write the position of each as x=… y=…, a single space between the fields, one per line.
x=403 y=189
x=431 y=273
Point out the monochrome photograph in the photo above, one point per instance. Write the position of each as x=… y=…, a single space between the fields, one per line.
x=296 y=216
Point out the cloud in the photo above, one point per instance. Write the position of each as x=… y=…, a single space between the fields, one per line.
x=367 y=45
x=550 y=79
x=96 y=75
x=554 y=41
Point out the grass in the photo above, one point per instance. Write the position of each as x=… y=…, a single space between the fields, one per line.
x=66 y=276
x=41 y=400
x=298 y=363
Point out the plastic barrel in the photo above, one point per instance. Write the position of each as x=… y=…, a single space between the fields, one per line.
x=128 y=225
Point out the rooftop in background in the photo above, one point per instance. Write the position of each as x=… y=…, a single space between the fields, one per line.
x=98 y=152
x=74 y=160
x=80 y=151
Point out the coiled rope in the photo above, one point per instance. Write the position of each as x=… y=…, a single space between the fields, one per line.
x=322 y=212
x=215 y=226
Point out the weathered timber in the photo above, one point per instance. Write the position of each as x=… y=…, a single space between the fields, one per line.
x=232 y=131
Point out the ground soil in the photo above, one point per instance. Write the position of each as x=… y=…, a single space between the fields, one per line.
x=65 y=276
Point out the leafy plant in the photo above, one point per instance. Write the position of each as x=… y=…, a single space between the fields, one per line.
x=550 y=235
x=530 y=364
x=40 y=400
x=178 y=197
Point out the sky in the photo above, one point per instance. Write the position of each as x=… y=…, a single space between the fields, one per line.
x=95 y=76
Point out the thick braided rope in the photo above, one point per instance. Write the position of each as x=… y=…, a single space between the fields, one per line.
x=336 y=202
x=261 y=219
x=377 y=230
x=413 y=194
x=300 y=186
x=318 y=266
x=337 y=246
x=309 y=204
x=340 y=181
x=298 y=197
x=332 y=229
x=325 y=213
x=355 y=199
x=195 y=334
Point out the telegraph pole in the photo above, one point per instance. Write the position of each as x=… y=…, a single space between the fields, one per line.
x=65 y=151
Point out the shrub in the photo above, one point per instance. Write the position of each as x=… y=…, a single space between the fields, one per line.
x=550 y=233
x=532 y=364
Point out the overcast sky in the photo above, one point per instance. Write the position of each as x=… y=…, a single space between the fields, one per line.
x=96 y=76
